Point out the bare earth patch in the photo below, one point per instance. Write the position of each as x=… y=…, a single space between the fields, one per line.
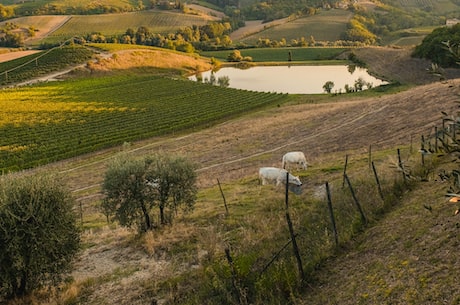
x=16 y=54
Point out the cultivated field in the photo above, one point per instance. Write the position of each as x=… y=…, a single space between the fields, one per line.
x=54 y=29
x=327 y=25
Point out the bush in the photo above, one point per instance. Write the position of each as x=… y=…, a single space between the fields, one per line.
x=38 y=233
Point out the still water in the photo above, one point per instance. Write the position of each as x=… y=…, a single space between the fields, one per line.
x=293 y=79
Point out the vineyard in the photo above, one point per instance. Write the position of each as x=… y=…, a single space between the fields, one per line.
x=43 y=63
x=50 y=122
x=162 y=22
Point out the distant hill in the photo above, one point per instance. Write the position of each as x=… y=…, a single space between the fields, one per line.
x=327 y=25
x=57 y=28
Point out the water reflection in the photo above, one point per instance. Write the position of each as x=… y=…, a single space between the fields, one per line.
x=293 y=79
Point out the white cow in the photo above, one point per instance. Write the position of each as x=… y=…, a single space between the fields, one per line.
x=277 y=176
x=294 y=157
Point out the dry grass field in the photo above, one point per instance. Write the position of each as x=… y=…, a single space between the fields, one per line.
x=115 y=266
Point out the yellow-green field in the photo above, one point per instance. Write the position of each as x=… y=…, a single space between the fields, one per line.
x=325 y=26
x=114 y=24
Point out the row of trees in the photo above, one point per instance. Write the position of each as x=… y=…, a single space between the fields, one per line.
x=210 y=36
x=39 y=235
x=359 y=85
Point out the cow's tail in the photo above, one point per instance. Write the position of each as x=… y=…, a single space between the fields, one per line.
x=283 y=163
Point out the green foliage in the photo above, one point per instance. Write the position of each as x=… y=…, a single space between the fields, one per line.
x=133 y=187
x=434 y=48
x=38 y=233
x=328 y=86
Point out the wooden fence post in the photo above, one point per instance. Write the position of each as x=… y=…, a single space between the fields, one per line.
x=422 y=149
x=345 y=170
x=400 y=164
x=436 y=139
x=223 y=196
x=370 y=156
x=292 y=234
x=331 y=213
x=377 y=181
x=363 y=218
x=236 y=286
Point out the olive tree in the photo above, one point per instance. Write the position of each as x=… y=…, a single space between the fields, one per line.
x=135 y=187
x=328 y=86
x=38 y=233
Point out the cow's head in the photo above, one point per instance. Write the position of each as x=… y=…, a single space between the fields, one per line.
x=294 y=180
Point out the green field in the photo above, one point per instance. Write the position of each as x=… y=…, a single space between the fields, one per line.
x=328 y=25
x=281 y=54
x=162 y=22
x=54 y=121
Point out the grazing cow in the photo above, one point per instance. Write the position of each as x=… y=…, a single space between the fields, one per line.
x=277 y=176
x=294 y=157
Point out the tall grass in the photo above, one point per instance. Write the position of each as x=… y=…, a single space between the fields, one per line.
x=263 y=269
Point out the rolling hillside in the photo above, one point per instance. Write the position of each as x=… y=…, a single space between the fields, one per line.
x=409 y=257
x=328 y=25
x=55 y=28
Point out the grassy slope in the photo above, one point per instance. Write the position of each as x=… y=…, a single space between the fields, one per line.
x=325 y=26
x=409 y=257
x=115 y=24
x=384 y=266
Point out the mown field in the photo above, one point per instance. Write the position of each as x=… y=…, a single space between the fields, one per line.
x=281 y=54
x=328 y=25
x=53 y=121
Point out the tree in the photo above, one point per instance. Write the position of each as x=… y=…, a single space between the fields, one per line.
x=175 y=183
x=235 y=56
x=134 y=187
x=435 y=46
x=127 y=196
x=328 y=86
x=38 y=233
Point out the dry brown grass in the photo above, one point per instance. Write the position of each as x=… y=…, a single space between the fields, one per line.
x=326 y=131
x=129 y=59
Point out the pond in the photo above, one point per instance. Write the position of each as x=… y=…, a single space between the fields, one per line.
x=293 y=79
